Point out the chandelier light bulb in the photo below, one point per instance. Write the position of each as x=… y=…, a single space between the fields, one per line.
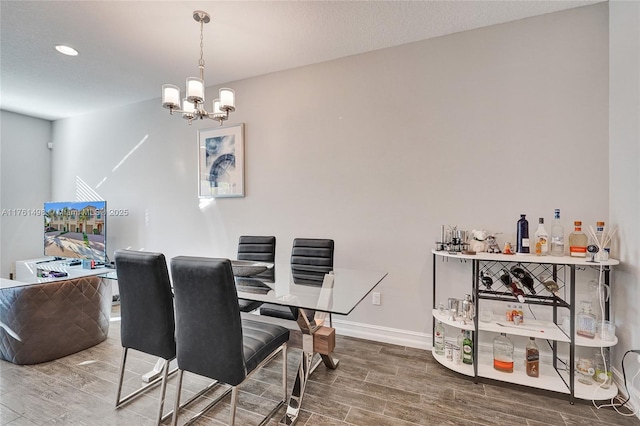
x=195 y=89
x=170 y=96
x=227 y=99
x=188 y=109
x=216 y=107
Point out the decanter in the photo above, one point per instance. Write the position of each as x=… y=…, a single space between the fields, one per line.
x=586 y=321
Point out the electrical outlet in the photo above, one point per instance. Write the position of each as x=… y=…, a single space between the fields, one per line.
x=376 y=298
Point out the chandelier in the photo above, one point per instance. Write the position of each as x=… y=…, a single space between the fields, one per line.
x=193 y=103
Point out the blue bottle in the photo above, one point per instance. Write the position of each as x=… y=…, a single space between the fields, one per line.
x=523 y=235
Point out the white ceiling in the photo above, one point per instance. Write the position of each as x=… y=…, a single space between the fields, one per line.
x=128 y=49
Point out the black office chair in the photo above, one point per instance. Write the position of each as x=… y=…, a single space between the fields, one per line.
x=212 y=340
x=146 y=309
x=311 y=259
x=259 y=249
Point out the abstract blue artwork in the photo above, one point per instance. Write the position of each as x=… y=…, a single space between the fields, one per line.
x=221 y=161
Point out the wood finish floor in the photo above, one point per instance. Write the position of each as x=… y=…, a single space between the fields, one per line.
x=376 y=384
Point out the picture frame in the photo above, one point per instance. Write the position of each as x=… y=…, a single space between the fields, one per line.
x=221 y=162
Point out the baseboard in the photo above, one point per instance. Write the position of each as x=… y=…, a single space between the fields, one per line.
x=378 y=333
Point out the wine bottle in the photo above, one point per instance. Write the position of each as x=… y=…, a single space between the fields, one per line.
x=512 y=286
x=467 y=348
x=525 y=278
x=523 y=235
x=486 y=280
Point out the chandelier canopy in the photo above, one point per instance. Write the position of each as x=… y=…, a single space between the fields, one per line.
x=193 y=103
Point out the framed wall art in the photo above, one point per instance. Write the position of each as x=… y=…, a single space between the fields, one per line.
x=221 y=162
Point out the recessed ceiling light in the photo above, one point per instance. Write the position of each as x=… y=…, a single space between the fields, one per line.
x=66 y=50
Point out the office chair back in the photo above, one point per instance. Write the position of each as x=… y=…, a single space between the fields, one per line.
x=146 y=303
x=311 y=259
x=147 y=322
x=258 y=248
x=212 y=339
x=208 y=323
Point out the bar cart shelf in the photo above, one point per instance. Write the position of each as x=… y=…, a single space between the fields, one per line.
x=554 y=377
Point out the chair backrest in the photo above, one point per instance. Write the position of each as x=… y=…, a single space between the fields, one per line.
x=208 y=324
x=311 y=259
x=146 y=303
x=258 y=248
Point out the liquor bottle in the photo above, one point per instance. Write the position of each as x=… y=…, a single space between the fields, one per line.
x=503 y=353
x=557 y=236
x=461 y=337
x=439 y=339
x=586 y=321
x=525 y=278
x=467 y=349
x=603 y=250
x=542 y=239
x=512 y=286
x=599 y=232
x=533 y=358
x=522 y=235
x=578 y=241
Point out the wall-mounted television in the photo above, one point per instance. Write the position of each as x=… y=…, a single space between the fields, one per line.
x=76 y=229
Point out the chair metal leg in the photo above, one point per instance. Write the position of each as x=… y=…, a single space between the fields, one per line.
x=234 y=404
x=123 y=360
x=176 y=405
x=284 y=373
x=163 y=391
x=120 y=401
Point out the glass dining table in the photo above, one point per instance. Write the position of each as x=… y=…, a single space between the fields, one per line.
x=311 y=295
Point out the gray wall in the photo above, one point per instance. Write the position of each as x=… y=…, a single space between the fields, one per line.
x=375 y=151
x=25 y=184
x=624 y=147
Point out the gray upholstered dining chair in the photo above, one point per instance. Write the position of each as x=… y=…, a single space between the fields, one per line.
x=212 y=339
x=311 y=259
x=260 y=249
x=146 y=309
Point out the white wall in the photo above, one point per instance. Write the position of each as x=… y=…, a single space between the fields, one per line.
x=25 y=183
x=624 y=148
x=375 y=151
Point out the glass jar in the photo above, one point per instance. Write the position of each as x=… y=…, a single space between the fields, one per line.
x=585 y=370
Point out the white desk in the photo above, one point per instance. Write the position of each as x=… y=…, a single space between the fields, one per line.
x=27 y=272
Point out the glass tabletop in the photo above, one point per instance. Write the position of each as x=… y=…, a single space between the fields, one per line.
x=338 y=293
